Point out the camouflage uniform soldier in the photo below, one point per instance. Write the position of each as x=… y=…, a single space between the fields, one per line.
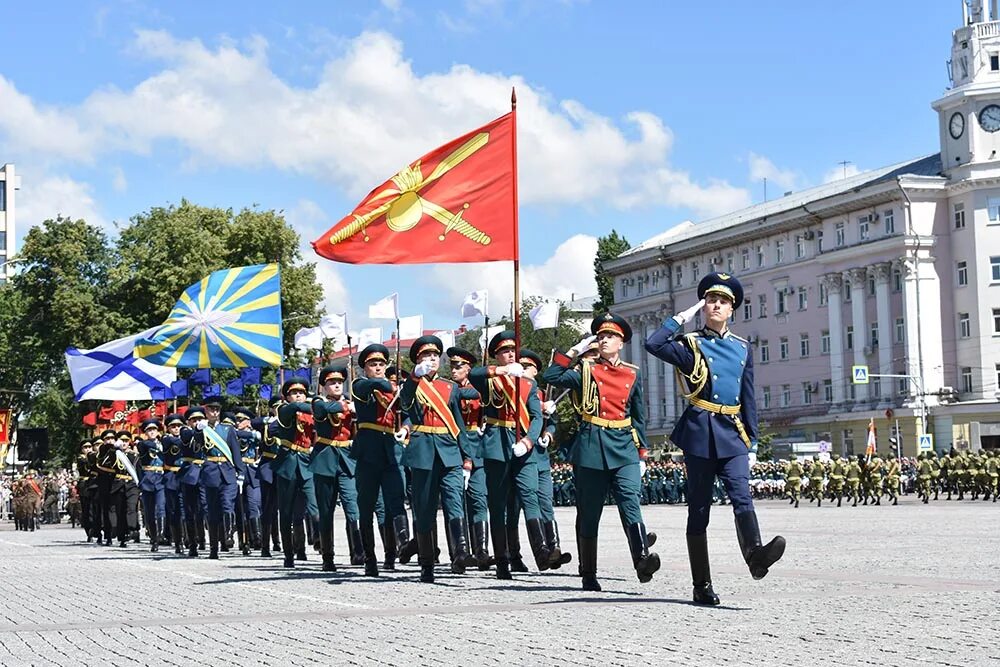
x=837 y=471
x=936 y=477
x=924 y=475
x=892 y=479
x=875 y=480
x=793 y=483
x=853 y=480
x=816 y=476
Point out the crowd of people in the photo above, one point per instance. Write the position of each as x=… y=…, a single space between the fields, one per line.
x=32 y=499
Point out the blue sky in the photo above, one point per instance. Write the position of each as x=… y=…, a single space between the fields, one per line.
x=634 y=116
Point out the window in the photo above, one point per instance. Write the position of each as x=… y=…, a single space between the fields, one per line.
x=762 y=305
x=745 y=257
x=656 y=280
x=747 y=310
x=994 y=62
x=900 y=330
x=638 y=286
x=803 y=298
x=996 y=320
x=889 y=219
x=729 y=262
x=782 y=298
x=993 y=206
x=871 y=286
x=824 y=296
x=897 y=280
x=807 y=397
x=876 y=385
x=800 y=247
x=624 y=288
x=902 y=386
x=873 y=336
x=841 y=238
x=828 y=391
x=996 y=367
x=963 y=273
x=995 y=268
x=694 y=272
x=848 y=441
x=3 y=241
x=678 y=276
x=783 y=348
x=779 y=252
x=964 y=326
x=824 y=341
x=765 y=394
x=819 y=241
x=3 y=196
x=786 y=395
x=803 y=345
x=850 y=338
x=851 y=391
x=765 y=352
x=959 y=215
x=847 y=291
x=966 y=380
x=760 y=256
x=863 y=229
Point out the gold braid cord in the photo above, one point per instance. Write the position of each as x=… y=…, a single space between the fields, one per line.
x=698 y=378
x=590 y=398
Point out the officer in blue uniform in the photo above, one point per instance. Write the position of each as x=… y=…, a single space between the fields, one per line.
x=265 y=475
x=171 y=480
x=150 y=470
x=192 y=459
x=249 y=497
x=718 y=430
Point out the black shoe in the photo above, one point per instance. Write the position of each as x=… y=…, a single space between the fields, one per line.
x=299 y=540
x=368 y=544
x=371 y=568
x=214 y=535
x=758 y=558
x=701 y=572
x=480 y=544
x=646 y=563
x=289 y=562
x=536 y=539
x=503 y=569
x=326 y=549
x=460 y=551
x=517 y=565
x=588 y=563
x=590 y=583
x=425 y=556
x=406 y=548
x=354 y=542
x=328 y=564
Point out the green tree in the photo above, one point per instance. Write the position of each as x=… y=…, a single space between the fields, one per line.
x=608 y=247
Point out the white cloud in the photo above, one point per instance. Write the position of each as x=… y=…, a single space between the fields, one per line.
x=762 y=167
x=367 y=115
x=118 y=180
x=840 y=172
x=393 y=5
x=42 y=197
x=567 y=273
x=309 y=220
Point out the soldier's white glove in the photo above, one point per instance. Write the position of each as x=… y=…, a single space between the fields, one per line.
x=548 y=408
x=201 y=424
x=481 y=429
x=515 y=370
x=688 y=315
x=349 y=405
x=752 y=456
x=520 y=448
x=642 y=469
x=545 y=440
x=466 y=476
x=581 y=347
x=400 y=435
x=256 y=435
x=421 y=369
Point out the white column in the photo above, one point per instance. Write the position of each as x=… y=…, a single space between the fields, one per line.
x=652 y=364
x=883 y=273
x=834 y=284
x=858 y=278
x=922 y=302
x=634 y=347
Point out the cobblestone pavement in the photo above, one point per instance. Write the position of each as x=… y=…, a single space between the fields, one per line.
x=904 y=585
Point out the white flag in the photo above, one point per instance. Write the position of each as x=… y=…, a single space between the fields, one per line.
x=475 y=304
x=112 y=372
x=411 y=327
x=447 y=339
x=487 y=335
x=334 y=326
x=545 y=315
x=309 y=338
x=368 y=336
x=386 y=309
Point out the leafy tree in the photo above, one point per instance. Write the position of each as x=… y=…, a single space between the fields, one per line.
x=608 y=247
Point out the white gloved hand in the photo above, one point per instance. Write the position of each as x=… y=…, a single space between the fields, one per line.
x=688 y=315
x=548 y=408
x=581 y=347
x=545 y=440
x=257 y=436
x=514 y=370
x=350 y=407
x=520 y=449
x=400 y=435
x=466 y=476
x=201 y=424
x=753 y=458
x=421 y=369
x=642 y=469
x=481 y=429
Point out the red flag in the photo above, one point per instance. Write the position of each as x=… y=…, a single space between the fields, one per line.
x=455 y=204
x=90 y=419
x=4 y=429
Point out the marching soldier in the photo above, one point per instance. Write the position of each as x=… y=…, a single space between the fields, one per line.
x=265 y=473
x=172 y=491
x=248 y=504
x=192 y=458
x=718 y=430
x=992 y=468
x=892 y=479
x=837 y=471
x=932 y=458
x=433 y=423
x=332 y=466
x=924 y=477
x=221 y=473
x=111 y=488
x=511 y=430
x=151 y=481
x=610 y=449
x=853 y=479
x=875 y=479
x=131 y=488
x=87 y=487
x=817 y=473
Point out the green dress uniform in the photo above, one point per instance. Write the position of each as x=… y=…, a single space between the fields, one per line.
x=608 y=449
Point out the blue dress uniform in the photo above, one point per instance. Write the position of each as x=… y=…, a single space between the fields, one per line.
x=192 y=459
x=470 y=441
x=505 y=472
x=248 y=506
x=265 y=475
x=294 y=429
x=378 y=456
x=433 y=420
x=608 y=448
x=717 y=430
x=171 y=481
x=151 y=488
x=333 y=469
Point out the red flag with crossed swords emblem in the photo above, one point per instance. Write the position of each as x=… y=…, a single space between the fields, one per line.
x=455 y=204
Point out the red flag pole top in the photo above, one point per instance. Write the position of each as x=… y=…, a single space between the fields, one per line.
x=458 y=203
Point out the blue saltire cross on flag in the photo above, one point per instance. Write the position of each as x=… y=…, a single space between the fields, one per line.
x=230 y=319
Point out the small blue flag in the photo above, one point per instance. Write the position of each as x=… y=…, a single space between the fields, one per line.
x=305 y=373
x=160 y=393
x=250 y=375
x=212 y=390
x=265 y=392
x=201 y=377
x=179 y=389
x=235 y=387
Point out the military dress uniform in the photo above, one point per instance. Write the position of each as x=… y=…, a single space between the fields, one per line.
x=151 y=487
x=192 y=458
x=132 y=496
x=248 y=506
x=609 y=448
x=87 y=488
x=172 y=491
x=265 y=474
x=333 y=469
x=506 y=472
x=111 y=487
x=717 y=431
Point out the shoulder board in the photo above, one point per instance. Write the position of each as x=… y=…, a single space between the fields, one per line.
x=739 y=338
x=628 y=365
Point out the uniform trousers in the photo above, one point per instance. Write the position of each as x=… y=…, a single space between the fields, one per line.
x=440 y=482
x=734 y=472
x=592 y=487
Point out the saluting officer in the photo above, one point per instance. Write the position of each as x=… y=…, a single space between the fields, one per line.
x=610 y=448
x=172 y=491
x=718 y=430
x=150 y=469
x=192 y=459
x=249 y=498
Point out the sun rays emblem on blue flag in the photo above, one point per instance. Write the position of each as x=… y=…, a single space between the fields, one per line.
x=230 y=319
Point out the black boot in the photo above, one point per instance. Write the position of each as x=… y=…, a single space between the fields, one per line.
x=154 y=539
x=254 y=530
x=275 y=536
x=646 y=563
x=199 y=523
x=226 y=533
x=480 y=545
x=389 y=546
x=298 y=540
x=326 y=549
x=312 y=532
x=536 y=538
x=758 y=558
x=193 y=540
x=556 y=556
x=514 y=550
x=701 y=573
x=285 y=528
x=178 y=534
x=368 y=545
x=456 y=532
x=214 y=535
x=588 y=563
x=407 y=548
x=354 y=540
x=425 y=556
x=499 y=535
x=265 y=538
x=839 y=500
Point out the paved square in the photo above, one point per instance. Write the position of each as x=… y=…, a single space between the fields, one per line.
x=904 y=585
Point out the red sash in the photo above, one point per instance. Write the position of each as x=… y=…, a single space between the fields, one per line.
x=428 y=394
x=305 y=429
x=509 y=389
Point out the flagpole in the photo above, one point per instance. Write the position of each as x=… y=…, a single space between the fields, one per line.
x=399 y=370
x=517 y=255
x=486 y=334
